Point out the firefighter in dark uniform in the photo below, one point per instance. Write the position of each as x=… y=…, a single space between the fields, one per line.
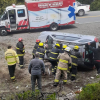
x=74 y=55
x=62 y=50
x=35 y=47
x=41 y=50
x=20 y=51
x=53 y=57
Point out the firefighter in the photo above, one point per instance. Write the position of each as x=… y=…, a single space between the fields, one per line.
x=74 y=55
x=62 y=50
x=41 y=50
x=12 y=59
x=35 y=47
x=63 y=66
x=53 y=57
x=20 y=51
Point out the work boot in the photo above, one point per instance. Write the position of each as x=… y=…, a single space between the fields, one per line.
x=13 y=80
x=64 y=83
x=73 y=78
x=22 y=67
x=55 y=84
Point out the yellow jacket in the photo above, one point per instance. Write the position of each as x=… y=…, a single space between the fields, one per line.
x=11 y=57
x=64 y=60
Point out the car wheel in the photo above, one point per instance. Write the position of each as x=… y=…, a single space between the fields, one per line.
x=53 y=27
x=3 y=31
x=81 y=12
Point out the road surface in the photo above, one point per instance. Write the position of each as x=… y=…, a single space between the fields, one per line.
x=89 y=17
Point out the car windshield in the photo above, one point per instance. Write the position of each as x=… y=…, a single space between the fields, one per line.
x=85 y=40
x=66 y=38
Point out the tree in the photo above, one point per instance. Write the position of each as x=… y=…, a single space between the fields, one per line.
x=95 y=5
x=5 y=3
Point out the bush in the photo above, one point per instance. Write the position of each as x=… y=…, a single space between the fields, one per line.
x=90 y=92
x=95 y=5
x=29 y=95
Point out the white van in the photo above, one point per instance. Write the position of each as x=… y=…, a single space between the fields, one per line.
x=71 y=40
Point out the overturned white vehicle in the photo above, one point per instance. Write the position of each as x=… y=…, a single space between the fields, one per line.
x=71 y=40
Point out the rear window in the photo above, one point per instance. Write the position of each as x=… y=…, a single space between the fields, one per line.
x=85 y=40
x=67 y=38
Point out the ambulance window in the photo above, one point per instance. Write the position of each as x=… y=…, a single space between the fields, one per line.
x=5 y=16
x=21 y=13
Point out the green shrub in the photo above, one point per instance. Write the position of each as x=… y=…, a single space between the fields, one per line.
x=90 y=92
x=29 y=95
x=95 y=5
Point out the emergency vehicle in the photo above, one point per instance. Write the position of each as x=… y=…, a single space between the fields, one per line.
x=71 y=40
x=37 y=14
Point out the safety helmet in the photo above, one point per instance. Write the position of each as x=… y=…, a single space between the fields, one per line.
x=58 y=45
x=64 y=46
x=40 y=44
x=67 y=49
x=76 y=47
x=37 y=40
x=20 y=39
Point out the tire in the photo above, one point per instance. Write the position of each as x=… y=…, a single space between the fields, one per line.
x=81 y=12
x=3 y=31
x=53 y=27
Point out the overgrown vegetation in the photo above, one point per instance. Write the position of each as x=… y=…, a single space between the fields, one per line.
x=90 y=92
x=28 y=95
x=5 y=3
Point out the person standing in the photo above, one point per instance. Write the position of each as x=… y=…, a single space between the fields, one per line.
x=53 y=57
x=35 y=67
x=63 y=66
x=74 y=55
x=20 y=51
x=35 y=47
x=62 y=50
x=96 y=52
x=41 y=50
x=11 y=58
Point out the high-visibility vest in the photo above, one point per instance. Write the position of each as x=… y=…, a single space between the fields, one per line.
x=11 y=57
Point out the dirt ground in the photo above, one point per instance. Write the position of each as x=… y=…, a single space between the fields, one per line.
x=23 y=77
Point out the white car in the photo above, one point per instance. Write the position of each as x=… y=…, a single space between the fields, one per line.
x=81 y=9
x=71 y=40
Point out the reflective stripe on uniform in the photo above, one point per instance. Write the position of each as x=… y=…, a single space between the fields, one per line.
x=33 y=53
x=17 y=48
x=53 y=58
x=20 y=54
x=70 y=67
x=56 y=80
x=64 y=61
x=52 y=70
x=61 y=68
x=73 y=75
x=12 y=62
x=40 y=53
x=68 y=71
x=13 y=77
x=73 y=56
x=40 y=58
x=74 y=64
x=9 y=56
x=64 y=80
x=54 y=53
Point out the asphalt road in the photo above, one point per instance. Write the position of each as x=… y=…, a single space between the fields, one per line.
x=89 y=17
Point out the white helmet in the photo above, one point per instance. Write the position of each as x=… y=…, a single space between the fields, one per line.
x=67 y=49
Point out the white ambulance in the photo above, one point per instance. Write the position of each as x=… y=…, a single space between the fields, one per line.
x=37 y=14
